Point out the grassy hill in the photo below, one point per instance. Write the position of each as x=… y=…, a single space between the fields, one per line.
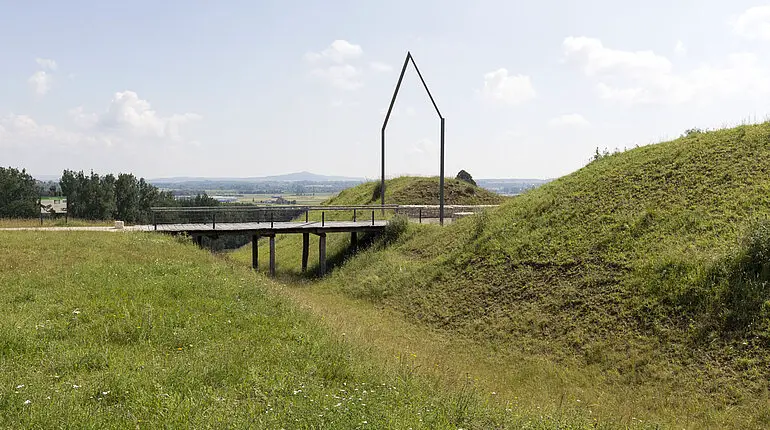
x=410 y=190
x=136 y=330
x=652 y=265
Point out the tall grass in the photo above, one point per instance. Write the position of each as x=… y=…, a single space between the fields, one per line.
x=144 y=331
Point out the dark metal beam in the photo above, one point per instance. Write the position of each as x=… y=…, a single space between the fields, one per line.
x=408 y=59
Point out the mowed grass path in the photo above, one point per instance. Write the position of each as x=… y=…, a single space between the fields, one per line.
x=140 y=330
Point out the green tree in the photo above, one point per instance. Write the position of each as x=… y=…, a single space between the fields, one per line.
x=127 y=198
x=18 y=194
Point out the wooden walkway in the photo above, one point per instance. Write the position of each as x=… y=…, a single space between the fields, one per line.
x=265 y=228
x=270 y=230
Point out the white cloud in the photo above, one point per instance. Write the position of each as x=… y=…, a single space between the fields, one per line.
x=499 y=86
x=643 y=77
x=680 y=49
x=128 y=113
x=128 y=121
x=345 y=77
x=569 y=120
x=23 y=131
x=596 y=59
x=424 y=147
x=380 y=67
x=47 y=63
x=753 y=24
x=339 y=51
x=40 y=82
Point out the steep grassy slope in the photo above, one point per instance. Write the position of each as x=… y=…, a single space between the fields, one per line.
x=408 y=190
x=653 y=265
x=136 y=330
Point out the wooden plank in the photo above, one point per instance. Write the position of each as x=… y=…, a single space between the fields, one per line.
x=305 y=250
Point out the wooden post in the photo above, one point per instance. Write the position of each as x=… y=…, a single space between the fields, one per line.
x=272 y=255
x=305 y=250
x=322 y=253
x=199 y=241
x=255 y=252
x=354 y=241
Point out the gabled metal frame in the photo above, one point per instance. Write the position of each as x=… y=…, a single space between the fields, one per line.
x=385 y=124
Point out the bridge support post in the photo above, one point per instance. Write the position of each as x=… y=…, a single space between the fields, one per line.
x=322 y=253
x=354 y=241
x=199 y=240
x=305 y=250
x=255 y=252
x=272 y=255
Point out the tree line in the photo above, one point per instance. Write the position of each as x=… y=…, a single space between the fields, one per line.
x=89 y=196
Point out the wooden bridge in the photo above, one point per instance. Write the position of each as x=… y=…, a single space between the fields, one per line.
x=269 y=221
x=267 y=226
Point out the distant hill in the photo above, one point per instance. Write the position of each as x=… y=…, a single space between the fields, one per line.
x=289 y=177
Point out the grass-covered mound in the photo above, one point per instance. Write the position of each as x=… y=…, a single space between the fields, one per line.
x=652 y=264
x=137 y=330
x=411 y=190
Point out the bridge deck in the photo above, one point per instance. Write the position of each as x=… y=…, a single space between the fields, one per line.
x=267 y=228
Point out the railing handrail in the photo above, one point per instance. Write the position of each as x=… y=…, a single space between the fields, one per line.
x=267 y=208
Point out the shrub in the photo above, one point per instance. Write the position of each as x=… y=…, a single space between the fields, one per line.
x=395 y=228
x=745 y=297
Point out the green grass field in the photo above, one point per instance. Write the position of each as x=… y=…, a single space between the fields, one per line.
x=52 y=222
x=312 y=199
x=642 y=277
x=143 y=331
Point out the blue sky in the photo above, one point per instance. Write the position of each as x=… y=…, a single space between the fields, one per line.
x=252 y=88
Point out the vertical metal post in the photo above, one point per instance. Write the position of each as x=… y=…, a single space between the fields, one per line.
x=272 y=255
x=271 y=219
x=441 y=176
x=214 y=221
x=323 y=218
x=373 y=217
x=354 y=215
x=255 y=252
x=305 y=250
x=382 y=180
x=154 y=220
x=420 y=215
x=307 y=211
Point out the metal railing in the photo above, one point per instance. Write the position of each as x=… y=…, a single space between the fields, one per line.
x=272 y=214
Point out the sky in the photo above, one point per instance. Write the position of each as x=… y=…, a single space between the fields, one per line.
x=254 y=88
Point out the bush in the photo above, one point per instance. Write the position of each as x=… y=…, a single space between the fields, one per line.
x=745 y=297
x=395 y=228
x=377 y=192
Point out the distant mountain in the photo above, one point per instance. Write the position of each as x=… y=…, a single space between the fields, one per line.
x=289 y=177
